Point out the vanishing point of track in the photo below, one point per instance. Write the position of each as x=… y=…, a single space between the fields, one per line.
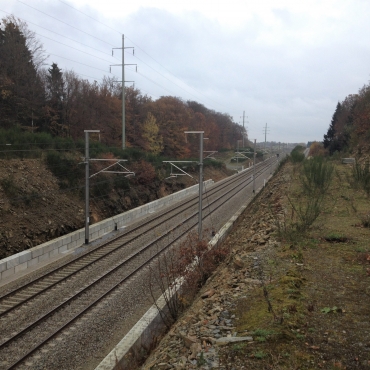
x=120 y=261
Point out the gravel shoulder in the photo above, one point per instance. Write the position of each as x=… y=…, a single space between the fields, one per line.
x=281 y=301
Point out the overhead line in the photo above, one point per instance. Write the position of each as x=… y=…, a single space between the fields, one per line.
x=59 y=34
x=146 y=54
x=171 y=72
x=162 y=87
x=77 y=10
x=113 y=45
x=99 y=69
x=105 y=42
x=164 y=76
x=108 y=61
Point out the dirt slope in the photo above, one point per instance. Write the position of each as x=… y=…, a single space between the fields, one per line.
x=33 y=209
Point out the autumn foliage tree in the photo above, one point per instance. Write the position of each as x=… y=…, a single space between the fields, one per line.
x=153 y=141
x=350 y=125
x=62 y=103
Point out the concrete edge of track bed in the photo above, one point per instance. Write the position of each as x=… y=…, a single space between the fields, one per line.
x=141 y=334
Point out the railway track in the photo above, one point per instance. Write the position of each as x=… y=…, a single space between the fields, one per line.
x=76 y=287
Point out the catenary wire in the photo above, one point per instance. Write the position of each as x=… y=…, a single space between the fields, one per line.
x=84 y=52
x=146 y=54
x=110 y=44
x=69 y=25
x=59 y=34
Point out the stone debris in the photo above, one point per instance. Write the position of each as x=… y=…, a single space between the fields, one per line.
x=194 y=340
x=227 y=340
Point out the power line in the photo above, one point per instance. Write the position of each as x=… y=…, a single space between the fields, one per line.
x=164 y=76
x=162 y=87
x=59 y=34
x=77 y=10
x=86 y=65
x=73 y=48
x=171 y=72
x=147 y=55
x=198 y=92
x=64 y=23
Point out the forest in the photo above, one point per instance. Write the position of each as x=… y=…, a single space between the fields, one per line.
x=36 y=97
x=349 y=130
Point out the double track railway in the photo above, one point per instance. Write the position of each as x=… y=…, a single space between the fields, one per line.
x=36 y=314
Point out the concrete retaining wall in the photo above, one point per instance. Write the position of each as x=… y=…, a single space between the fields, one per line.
x=348 y=160
x=30 y=258
x=144 y=333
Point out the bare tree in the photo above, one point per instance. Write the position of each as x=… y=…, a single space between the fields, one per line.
x=34 y=45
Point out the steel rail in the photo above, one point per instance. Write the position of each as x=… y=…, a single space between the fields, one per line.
x=80 y=259
x=62 y=305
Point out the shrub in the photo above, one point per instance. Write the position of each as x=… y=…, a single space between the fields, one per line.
x=296 y=156
x=144 y=172
x=64 y=168
x=316 y=176
x=191 y=264
x=307 y=210
x=9 y=187
x=361 y=175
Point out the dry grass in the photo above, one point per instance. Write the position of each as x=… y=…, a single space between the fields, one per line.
x=320 y=286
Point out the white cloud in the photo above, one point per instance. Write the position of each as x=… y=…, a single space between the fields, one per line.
x=283 y=62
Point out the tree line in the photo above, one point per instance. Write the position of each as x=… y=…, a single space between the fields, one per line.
x=47 y=99
x=350 y=125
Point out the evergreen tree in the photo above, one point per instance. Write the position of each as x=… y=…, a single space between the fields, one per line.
x=55 y=101
x=331 y=138
x=20 y=87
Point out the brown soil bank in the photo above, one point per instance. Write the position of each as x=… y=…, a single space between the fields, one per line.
x=284 y=299
x=34 y=209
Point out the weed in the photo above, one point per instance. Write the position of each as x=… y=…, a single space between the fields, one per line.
x=181 y=272
x=9 y=187
x=298 y=256
x=267 y=297
x=364 y=258
x=365 y=219
x=297 y=155
x=261 y=335
x=31 y=197
x=316 y=176
x=238 y=346
x=335 y=238
x=360 y=249
x=361 y=176
x=64 y=168
x=306 y=209
x=201 y=360
x=260 y=355
x=334 y=309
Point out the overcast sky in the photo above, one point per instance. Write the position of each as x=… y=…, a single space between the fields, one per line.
x=285 y=63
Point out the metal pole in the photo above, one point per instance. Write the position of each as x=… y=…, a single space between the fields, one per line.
x=271 y=158
x=200 y=185
x=123 y=95
x=237 y=151
x=243 y=128
x=254 y=168
x=87 y=177
x=87 y=185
